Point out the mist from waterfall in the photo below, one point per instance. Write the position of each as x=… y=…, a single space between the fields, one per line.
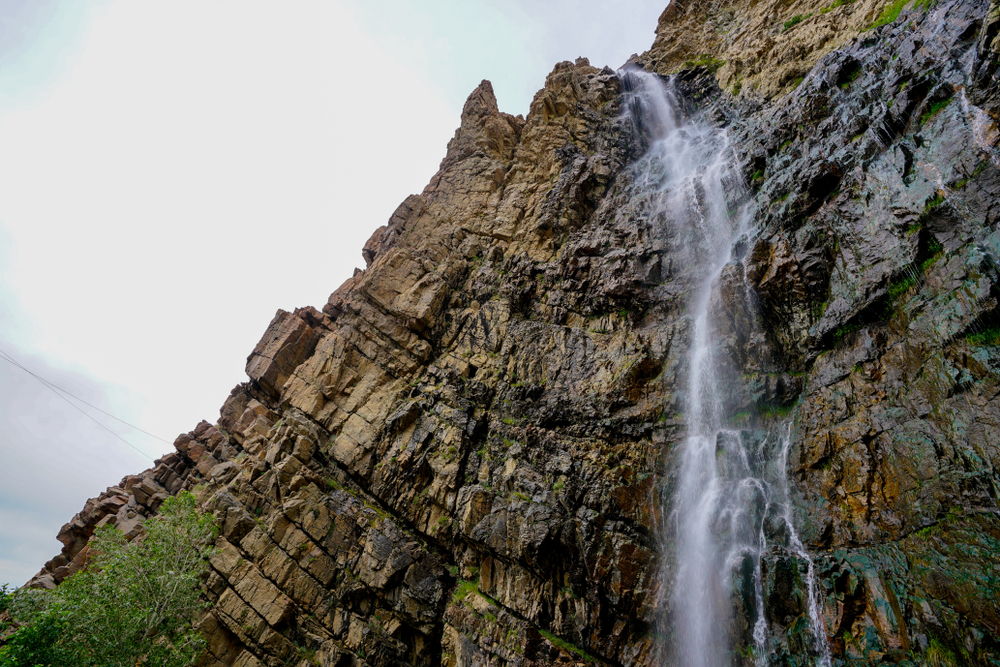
x=712 y=526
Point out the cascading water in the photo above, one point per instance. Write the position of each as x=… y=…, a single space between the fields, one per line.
x=713 y=529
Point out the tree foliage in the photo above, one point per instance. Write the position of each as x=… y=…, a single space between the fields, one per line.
x=133 y=605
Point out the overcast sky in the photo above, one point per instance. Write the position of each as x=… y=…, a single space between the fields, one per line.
x=172 y=173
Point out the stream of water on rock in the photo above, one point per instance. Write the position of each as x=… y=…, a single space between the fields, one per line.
x=729 y=483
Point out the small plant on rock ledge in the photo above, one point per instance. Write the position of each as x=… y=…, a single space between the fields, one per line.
x=711 y=63
x=834 y=5
x=565 y=645
x=889 y=14
x=988 y=337
x=794 y=21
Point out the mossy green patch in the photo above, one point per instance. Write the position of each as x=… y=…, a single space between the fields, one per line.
x=565 y=645
x=851 y=78
x=794 y=21
x=988 y=337
x=463 y=590
x=933 y=202
x=834 y=5
x=889 y=14
x=900 y=287
x=711 y=63
x=768 y=411
x=844 y=330
x=933 y=109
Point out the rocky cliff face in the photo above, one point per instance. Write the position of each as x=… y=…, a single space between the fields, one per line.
x=461 y=458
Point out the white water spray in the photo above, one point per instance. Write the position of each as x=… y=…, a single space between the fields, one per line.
x=820 y=644
x=717 y=512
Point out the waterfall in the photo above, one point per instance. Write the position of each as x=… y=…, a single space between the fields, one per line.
x=712 y=531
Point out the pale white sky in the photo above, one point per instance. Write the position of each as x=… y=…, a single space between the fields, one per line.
x=173 y=173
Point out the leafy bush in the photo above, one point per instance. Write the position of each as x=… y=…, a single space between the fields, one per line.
x=133 y=605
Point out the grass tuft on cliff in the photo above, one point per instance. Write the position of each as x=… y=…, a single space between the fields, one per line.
x=989 y=337
x=565 y=645
x=794 y=21
x=889 y=14
x=893 y=9
x=834 y=5
x=711 y=63
x=933 y=109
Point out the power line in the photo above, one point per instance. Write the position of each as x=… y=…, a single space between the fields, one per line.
x=7 y=357
x=55 y=390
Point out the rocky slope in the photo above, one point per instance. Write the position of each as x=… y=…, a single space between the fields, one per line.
x=460 y=459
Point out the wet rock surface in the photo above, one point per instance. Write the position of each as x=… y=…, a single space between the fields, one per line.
x=876 y=271
x=460 y=458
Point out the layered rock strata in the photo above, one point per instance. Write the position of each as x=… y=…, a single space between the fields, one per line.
x=460 y=458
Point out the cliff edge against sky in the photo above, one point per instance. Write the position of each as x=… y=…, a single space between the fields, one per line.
x=462 y=457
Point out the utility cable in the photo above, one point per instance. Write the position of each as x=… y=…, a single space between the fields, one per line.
x=55 y=390
x=7 y=357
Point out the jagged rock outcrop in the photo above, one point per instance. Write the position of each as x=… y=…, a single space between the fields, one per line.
x=462 y=459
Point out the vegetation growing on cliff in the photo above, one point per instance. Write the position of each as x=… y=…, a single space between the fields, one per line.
x=134 y=604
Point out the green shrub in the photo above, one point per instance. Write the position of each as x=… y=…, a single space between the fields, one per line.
x=5 y=595
x=939 y=655
x=843 y=331
x=767 y=411
x=851 y=79
x=134 y=603
x=935 y=250
x=38 y=644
